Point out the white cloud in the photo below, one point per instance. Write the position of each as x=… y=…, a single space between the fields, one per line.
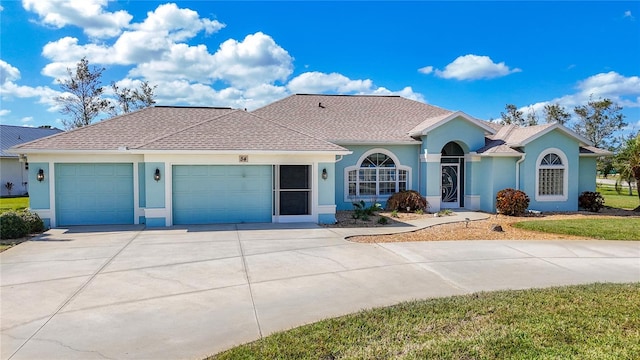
x=44 y=94
x=8 y=72
x=317 y=82
x=255 y=69
x=4 y=112
x=26 y=119
x=177 y=24
x=623 y=90
x=90 y=15
x=472 y=67
x=255 y=60
x=627 y=14
x=426 y=70
x=407 y=92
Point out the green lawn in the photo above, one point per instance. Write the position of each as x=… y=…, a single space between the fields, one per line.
x=607 y=229
x=620 y=201
x=13 y=203
x=599 y=321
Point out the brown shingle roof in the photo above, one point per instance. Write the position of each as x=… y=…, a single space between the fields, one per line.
x=183 y=128
x=345 y=119
x=131 y=130
x=242 y=131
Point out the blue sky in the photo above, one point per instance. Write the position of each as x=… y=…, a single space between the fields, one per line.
x=469 y=56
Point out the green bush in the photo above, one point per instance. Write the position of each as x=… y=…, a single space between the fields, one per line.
x=361 y=211
x=511 y=202
x=407 y=199
x=591 y=201
x=33 y=221
x=12 y=226
x=383 y=221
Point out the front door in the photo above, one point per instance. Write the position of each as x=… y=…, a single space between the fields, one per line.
x=450 y=186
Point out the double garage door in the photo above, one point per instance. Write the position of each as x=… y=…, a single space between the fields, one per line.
x=102 y=194
x=94 y=194
x=207 y=194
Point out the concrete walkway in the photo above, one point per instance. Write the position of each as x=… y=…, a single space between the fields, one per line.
x=135 y=293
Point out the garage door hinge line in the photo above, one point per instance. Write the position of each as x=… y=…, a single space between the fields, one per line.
x=80 y=289
x=246 y=274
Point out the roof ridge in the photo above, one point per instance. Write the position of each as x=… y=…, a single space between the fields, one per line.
x=184 y=129
x=292 y=129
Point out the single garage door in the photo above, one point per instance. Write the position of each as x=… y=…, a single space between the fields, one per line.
x=94 y=194
x=210 y=194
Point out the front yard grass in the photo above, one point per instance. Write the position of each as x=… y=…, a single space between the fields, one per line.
x=605 y=229
x=619 y=201
x=598 y=321
x=14 y=203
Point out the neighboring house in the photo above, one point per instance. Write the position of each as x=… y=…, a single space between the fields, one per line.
x=14 y=169
x=297 y=160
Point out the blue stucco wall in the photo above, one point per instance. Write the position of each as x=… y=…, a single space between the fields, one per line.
x=587 y=174
x=154 y=190
x=327 y=188
x=497 y=173
x=39 y=190
x=570 y=147
x=408 y=155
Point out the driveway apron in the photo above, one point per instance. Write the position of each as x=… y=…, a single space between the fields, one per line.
x=130 y=292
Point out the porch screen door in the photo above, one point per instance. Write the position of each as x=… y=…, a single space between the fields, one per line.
x=450 y=186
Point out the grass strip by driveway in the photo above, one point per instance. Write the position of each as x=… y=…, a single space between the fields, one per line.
x=598 y=321
x=605 y=229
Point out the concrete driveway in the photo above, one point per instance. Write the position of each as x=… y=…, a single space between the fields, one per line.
x=116 y=293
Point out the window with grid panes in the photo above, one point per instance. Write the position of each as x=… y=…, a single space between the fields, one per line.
x=377 y=176
x=551 y=175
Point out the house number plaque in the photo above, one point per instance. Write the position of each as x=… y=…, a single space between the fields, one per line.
x=244 y=158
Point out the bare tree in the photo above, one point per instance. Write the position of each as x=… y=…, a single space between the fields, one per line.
x=82 y=100
x=512 y=116
x=130 y=100
x=554 y=113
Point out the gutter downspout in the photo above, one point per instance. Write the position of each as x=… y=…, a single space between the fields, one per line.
x=518 y=171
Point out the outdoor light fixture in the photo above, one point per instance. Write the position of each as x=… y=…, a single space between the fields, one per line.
x=156 y=176
x=324 y=174
x=40 y=176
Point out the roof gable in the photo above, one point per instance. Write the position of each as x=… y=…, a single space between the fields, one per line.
x=429 y=124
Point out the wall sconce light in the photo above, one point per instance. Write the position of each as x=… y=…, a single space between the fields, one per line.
x=40 y=176
x=324 y=174
x=156 y=176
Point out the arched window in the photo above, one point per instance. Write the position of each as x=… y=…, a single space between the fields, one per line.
x=551 y=183
x=377 y=175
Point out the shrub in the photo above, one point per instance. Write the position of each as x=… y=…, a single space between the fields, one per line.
x=407 y=199
x=361 y=211
x=394 y=214
x=383 y=220
x=33 y=221
x=511 y=202
x=12 y=226
x=591 y=201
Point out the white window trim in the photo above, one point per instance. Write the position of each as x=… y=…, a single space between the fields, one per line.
x=565 y=177
x=368 y=198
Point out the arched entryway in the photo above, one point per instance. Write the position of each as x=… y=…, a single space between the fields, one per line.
x=452 y=170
